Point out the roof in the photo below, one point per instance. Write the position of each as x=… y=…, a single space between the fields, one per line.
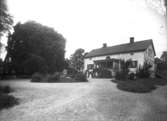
x=122 y=48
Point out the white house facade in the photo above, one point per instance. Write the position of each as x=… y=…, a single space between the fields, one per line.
x=110 y=57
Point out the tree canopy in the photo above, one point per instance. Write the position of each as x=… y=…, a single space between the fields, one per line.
x=5 y=18
x=77 y=59
x=34 y=47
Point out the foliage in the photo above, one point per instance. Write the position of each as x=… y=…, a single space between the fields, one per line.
x=37 y=77
x=140 y=85
x=5 y=21
x=31 y=43
x=143 y=72
x=72 y=72
x=164 y=56
x=123 y=74
x=1 y=68
x=77 y=60
x=34 y=64
x=5 y=89
x=162 y=66
x=161 y=70
x=67 y=80
x=5 y=99
x=80 y=77
x=58 y=77
x=5 y=18
x=53 y=77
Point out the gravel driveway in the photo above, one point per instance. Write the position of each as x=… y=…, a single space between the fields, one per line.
x=97 y=100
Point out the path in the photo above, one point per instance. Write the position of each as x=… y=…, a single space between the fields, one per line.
x=98 y=100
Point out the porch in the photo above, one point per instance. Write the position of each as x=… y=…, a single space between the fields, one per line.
x=104 y=68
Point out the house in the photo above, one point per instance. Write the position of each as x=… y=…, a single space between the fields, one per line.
x=110 y=57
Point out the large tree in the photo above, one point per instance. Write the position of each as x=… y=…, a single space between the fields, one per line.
x=33 y=46
x=5 y=19
x=77 y=59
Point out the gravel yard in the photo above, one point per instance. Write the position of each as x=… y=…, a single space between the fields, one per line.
x=97 y=100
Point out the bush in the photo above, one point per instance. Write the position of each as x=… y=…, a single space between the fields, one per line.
x=137 y=86
x=58 y=77
x=71 y=72
x=122 y=75
x=53 y=78
x=37 y=77
x=67 y=79
x=80 y=77
x=5 y=89
x=144 y=72
x=7 y=101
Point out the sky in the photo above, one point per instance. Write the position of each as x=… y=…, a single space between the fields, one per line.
x=88 y=24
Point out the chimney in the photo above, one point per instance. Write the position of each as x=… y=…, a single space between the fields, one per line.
x=104 y=45
x=132 y=40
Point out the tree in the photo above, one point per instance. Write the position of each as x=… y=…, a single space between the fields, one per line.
x=33 y=42
x=77 y=60
x=1 y=68
x=5 y=18
x=164 y=56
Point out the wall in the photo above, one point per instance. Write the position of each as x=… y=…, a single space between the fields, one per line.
x=139 y=56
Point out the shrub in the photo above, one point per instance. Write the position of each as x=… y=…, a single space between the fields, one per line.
x=7 y=101
x=139 y=85
x=144 y=72
x=37 y=77
x=54 y=77
x=80 y=77
x=71 y=72
x=67 y=79
x=5 y=89
x=121 y=75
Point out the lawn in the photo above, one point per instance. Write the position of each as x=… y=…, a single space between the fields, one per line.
x=96 y=100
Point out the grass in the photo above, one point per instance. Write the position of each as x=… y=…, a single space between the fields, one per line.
x=140 y=85
x=6 y=100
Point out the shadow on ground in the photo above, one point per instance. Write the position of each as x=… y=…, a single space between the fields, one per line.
x=140 y=85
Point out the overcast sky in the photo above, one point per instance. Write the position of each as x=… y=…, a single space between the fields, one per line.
x=88 y=24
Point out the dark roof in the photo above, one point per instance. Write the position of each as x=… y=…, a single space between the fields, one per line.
x=123 y=48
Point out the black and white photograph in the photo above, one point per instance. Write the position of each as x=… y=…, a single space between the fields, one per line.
x=83 y=60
